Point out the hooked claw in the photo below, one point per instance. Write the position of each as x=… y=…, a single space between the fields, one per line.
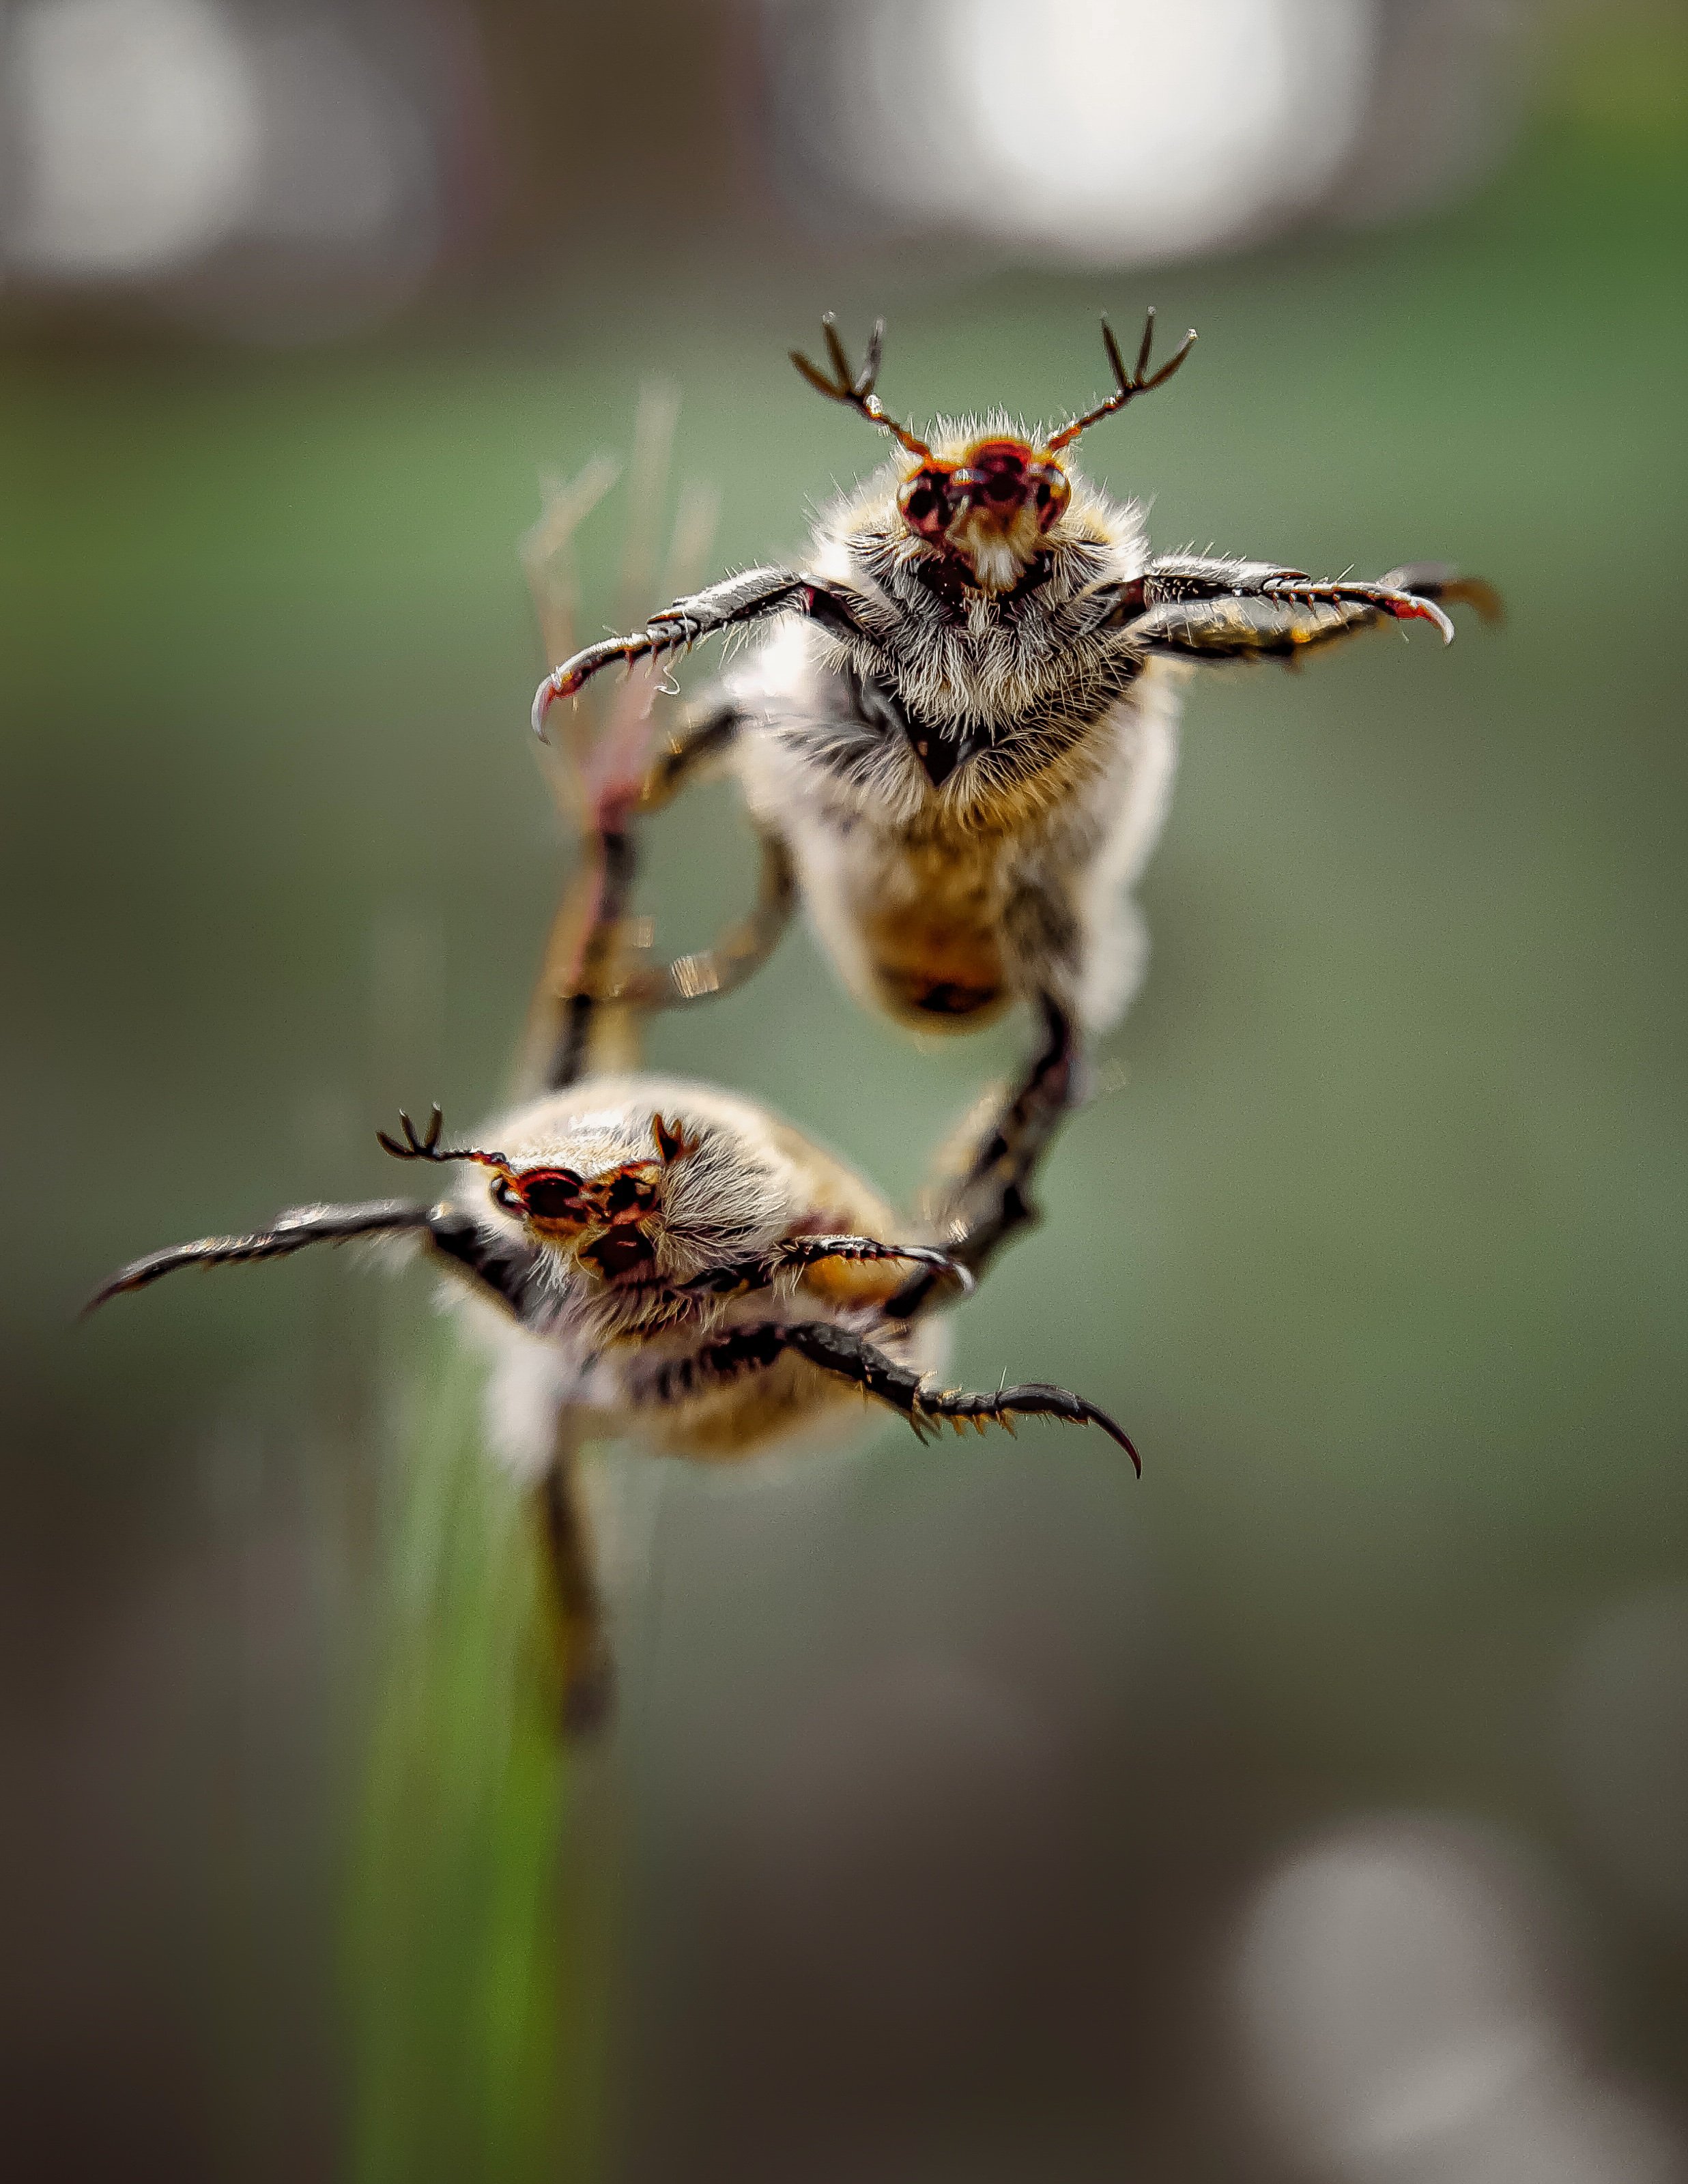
x=1383 y=598
x=1407 y=606
x=544 y=699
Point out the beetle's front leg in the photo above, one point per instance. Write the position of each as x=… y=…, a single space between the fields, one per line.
x=747 y=597
x=1213 y=607
x=858 y=1362
x=1173 y=578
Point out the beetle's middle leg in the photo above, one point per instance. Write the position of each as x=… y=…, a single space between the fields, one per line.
x=739 y=952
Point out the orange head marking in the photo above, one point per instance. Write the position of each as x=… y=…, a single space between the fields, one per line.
x=552 y=1198
x=988 y=508
x=673 y=1140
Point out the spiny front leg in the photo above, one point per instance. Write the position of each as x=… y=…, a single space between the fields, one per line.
x=499 y=1265
x=743 y=599
x=836 y=1350
x=288 y=1233
x=1442 y=582
x=1172 y=578
x=850 y=1358
x=797 y=1253
x=1208 y=607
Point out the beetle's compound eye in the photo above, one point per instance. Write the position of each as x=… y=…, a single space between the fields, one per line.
x=1051 y=492
x=927 y=502
x=545 y=1194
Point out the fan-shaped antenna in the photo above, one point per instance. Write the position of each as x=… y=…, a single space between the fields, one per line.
x=1128 y=384
x=856 y=388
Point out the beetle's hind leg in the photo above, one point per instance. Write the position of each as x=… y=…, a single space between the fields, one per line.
x=737 y=955
x=988 y=1196
x=746 y=945
x=574 y=1604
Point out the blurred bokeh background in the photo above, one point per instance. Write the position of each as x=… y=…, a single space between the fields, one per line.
x=1317 y=1808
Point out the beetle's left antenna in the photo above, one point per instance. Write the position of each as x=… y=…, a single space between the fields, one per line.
x=427 y=1146
x=854 y=389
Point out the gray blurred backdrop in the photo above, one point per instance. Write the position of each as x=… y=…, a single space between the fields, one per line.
x=1315 y=1808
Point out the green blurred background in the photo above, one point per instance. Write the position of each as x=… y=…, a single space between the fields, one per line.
x=946 y=1781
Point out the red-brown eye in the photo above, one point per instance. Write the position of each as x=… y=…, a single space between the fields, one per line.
x=1053 y=494
x=550 y=1195
x=925 y=502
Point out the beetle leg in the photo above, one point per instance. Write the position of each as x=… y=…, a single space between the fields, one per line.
x=798 y=1252
x=1215 y=607
x=585 y=1668
x=849 y=1357
x=991 y=1198
x=289 y=1233
x=739 y=952
x=498 y=1264
x=746 y=598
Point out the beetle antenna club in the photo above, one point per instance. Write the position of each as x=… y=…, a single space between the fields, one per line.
x=856 y=388
x=427 y=1146
x=1127 y=384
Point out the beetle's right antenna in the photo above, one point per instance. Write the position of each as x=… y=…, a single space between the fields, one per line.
x=1126 y=383
x=856 y=388
x=426 y=1147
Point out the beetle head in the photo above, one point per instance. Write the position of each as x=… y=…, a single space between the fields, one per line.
x=608 y=1222
x=990 y=507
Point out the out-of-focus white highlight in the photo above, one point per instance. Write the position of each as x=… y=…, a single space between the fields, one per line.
x=342 y=150
x=138 y=131
x=1404 y=2010
x=1113 y=126
x=276 y=175
x=1101 y=130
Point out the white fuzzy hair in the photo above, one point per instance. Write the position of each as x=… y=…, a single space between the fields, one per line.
x=732 y=1194
x=1069 y=791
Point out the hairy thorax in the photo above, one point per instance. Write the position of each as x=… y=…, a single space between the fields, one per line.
x=947 y=762
x=937 y=901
